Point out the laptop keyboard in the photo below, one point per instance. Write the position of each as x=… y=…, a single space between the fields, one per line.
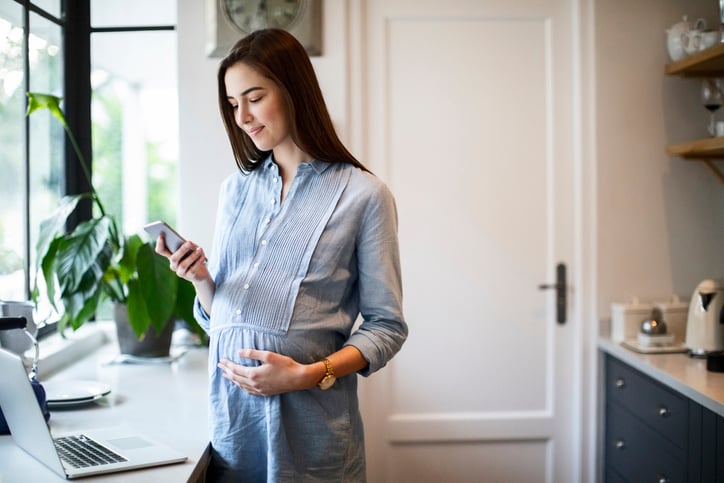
x=83 y=452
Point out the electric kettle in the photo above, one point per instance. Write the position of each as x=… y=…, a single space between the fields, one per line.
x=705 y=324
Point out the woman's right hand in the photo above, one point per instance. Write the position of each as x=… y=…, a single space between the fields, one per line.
x=188 y=262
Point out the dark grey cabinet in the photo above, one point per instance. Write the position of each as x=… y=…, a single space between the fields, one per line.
x=655 y=434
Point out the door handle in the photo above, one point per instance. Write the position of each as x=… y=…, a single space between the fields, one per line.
x=560 y=287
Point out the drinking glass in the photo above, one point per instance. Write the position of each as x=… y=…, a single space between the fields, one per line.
x=711 y=97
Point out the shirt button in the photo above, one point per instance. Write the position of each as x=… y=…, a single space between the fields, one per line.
x=256 y=264
x=238 y=311
x=267 y=221
x=274 y=180
x=272 y=201
x=246 y=286
x=263 y=242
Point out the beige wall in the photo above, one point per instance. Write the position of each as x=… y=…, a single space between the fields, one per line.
x=660 y=219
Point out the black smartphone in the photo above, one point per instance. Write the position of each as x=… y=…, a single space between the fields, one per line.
x=173 y=239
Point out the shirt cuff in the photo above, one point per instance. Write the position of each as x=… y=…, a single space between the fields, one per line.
x=201 y=316
x=375 y=357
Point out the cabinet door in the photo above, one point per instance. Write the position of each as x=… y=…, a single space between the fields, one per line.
x=663 y=409
x=610 y=476
x=706 y=444
x=637 y=452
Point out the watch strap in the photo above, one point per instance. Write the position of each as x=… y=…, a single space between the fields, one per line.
x=329 y=368
x=329 y=377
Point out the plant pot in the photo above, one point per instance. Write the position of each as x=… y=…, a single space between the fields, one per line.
x=151 y=344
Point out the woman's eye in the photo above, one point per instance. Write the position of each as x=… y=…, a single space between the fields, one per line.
x=255 y=100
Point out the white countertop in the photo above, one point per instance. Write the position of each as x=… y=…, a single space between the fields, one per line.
x=167 y=402
x=678 y=371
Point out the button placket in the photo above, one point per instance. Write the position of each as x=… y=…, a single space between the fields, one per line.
x=274 y=196
x=274 y=207
x=262 y=244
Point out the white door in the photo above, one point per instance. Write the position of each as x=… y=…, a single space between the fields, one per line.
x=467 y=112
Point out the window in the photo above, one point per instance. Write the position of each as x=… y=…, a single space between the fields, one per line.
x=133 y=121
x=31 y=58
x=135 y=125
x=134 y=111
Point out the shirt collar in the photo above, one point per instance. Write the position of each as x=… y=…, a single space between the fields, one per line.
x=318 y=166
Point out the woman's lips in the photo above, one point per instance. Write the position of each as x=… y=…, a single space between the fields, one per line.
x=254 y=131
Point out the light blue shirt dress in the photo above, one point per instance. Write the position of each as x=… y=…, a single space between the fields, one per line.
x=292 y=278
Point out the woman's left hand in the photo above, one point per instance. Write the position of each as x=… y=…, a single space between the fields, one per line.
x=276 y=374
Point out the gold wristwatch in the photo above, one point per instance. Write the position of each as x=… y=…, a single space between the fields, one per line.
x=329 y=377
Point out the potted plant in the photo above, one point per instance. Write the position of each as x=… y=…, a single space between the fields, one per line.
x=96 y=262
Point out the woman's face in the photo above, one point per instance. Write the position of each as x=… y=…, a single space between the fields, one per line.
x=258 y=107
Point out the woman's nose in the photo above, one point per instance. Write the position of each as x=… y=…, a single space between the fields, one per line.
x=242 y=116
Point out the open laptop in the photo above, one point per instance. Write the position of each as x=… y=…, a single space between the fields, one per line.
x=114 y=449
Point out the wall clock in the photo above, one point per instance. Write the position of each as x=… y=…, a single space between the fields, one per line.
x=229 y=20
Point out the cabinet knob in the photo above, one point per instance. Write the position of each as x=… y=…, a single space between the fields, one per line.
x=620 y=382
x=663 y=411
x=620 y=444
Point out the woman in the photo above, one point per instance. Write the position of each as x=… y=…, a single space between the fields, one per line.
x=305 y=241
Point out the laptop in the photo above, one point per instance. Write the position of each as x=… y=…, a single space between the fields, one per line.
x=82 y=453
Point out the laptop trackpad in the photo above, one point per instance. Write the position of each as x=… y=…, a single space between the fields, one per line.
x=131 y=442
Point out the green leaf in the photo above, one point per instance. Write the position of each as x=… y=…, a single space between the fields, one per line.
x=92 y=280
x=127 y=264
x=54 y=225
x=49 y=235
x=184 y=309
x=138 y=316
x=38 y=101
x=47 y=265
x=80 y=307
x=80 y=251
x=158 y=285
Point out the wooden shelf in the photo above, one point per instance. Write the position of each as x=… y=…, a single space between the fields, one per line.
x=701 y=150
x=711 y=148
x=707 y=63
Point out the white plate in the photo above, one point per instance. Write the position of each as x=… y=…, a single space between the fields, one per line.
x=73 y=392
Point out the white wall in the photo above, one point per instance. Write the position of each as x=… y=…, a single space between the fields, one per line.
x=205 y=157
x=660 y=219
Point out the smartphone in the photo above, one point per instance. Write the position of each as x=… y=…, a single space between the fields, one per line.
x=172 y=238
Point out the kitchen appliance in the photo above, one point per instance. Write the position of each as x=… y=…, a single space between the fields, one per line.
x=650 y=328
x=626 y=319
x=674 y=313
x=11 y=323
x=705 y=324
x=16 y=340
x=654 y=334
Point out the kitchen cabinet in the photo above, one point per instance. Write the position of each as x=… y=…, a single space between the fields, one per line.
x=707 y=63
x=654 y=433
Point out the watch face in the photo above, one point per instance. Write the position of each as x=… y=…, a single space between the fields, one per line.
x=327 y=382
x=250 y=15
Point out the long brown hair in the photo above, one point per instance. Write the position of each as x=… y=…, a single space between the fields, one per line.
x=277 y=55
